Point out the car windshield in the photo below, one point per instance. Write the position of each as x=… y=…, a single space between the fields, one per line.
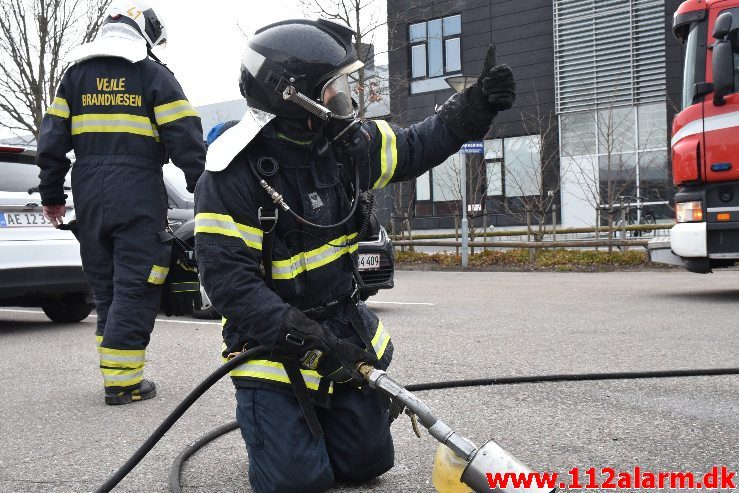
x=176 y=179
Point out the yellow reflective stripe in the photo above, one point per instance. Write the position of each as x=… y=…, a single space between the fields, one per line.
x=110 y=362
x=313 y=259
x=140 y=353
x=380 y=340
x=158 y=274
x=114 y=123
x=59 y=107
x=263 y=369
x=388 y=154
x=121 y=377
x=222 y=224
x=175 y=110
x=122 y=358
x=98 y=341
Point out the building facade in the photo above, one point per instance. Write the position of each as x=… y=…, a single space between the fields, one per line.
x=596 y=84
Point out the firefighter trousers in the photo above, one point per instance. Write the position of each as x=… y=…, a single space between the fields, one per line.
x=120 y=212
x=284 y=457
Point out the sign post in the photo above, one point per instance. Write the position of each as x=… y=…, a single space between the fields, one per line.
x=475 y=147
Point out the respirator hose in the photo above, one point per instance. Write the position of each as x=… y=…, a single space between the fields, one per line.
x=188 y=401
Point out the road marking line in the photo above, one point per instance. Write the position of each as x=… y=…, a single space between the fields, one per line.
x=194 y=322
x=176 y=321
x=399 y=303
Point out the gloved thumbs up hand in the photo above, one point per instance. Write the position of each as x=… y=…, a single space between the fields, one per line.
x=497 y=83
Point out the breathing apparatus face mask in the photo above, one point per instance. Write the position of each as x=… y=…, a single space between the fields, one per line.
x=334 y=111
x=341 y=129
x=336 y=96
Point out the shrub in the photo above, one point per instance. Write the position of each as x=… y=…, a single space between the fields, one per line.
x=559 y=260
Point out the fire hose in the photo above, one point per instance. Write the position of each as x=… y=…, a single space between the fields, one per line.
x=488 y=458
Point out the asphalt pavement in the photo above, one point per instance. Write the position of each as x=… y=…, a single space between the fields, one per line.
x=59 y=436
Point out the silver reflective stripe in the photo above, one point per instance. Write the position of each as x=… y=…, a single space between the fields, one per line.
x=388 y=154
x=158 y=275
x=59 y=107
x=286 y=270
x=263 y=371
x=81 y=124
x=181 y=106
x=381 y=340
x=307 y=261
x=121 y=359
x=124 y=377
x=250 y=238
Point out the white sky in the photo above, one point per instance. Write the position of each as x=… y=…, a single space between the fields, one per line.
x=205 y=41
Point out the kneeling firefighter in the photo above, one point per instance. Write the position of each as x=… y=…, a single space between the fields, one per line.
x=123 y=113
x=279 y=212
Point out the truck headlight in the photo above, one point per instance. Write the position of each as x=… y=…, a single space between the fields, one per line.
x=689 y=212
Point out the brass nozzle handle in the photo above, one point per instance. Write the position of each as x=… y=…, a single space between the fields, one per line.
x=365 y=369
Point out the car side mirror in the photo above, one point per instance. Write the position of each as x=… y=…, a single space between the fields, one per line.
x=722 y=28
x=723 y=59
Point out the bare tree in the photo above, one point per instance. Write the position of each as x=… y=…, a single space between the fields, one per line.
x=35 y=37
x=366 y=19
x=448 y=181
x=532 y=172
x=611 y=162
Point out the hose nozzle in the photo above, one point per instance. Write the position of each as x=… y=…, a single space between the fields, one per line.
x=365 y=369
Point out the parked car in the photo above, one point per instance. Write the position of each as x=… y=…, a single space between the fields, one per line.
x=40 y=265
x=375 y=262
x=181 y=202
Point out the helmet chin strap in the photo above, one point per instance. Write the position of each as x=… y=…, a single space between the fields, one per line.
x=156 y=59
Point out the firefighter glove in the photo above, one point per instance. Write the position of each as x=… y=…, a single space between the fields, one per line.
x=71 y=226
x=469 y=113
x=318 y=349
x=497 y=83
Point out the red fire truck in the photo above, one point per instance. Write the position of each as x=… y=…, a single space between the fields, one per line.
x=705 y=140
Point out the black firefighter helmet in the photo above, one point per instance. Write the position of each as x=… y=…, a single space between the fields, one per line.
x=314 y=57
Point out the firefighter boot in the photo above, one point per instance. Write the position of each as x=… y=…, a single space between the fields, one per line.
x=145 y=390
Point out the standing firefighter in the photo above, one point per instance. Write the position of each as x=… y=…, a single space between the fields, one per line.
x=279 y=212
x=124 y=115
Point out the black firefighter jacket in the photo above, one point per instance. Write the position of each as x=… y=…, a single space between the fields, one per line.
x=116 y=114
x=310 y=267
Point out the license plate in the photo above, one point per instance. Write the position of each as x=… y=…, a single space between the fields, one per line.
x=22 y=219
x=368 y=261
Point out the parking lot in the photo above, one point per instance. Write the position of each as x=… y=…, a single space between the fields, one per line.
x=58 y=435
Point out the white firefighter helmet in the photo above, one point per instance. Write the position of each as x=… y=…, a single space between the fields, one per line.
x=130 y=29
x=141 y=15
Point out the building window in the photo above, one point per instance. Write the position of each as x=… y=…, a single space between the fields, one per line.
x=510 y=168
x=441 y=184
x=608 y=54
x=627 y=146
x=513 y=166
x=435 y=52
x=494 y=167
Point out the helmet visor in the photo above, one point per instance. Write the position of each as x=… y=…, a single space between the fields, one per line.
x=336 y=94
